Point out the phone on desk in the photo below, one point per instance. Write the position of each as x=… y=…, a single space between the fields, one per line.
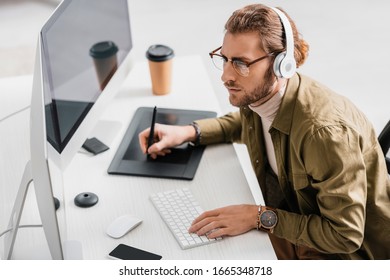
x=125 y=252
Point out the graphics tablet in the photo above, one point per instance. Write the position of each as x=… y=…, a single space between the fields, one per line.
x=182 y=163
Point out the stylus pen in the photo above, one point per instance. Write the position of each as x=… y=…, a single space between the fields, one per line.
x=151 y=133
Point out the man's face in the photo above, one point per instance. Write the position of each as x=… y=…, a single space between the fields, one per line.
x=253 y=89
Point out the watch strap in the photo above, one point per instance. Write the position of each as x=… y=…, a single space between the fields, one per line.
x=197 y=134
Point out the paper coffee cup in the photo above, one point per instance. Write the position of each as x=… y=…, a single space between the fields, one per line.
x=105 y=61
x=160 y=67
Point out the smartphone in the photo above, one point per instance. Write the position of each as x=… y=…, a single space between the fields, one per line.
x=125 y=252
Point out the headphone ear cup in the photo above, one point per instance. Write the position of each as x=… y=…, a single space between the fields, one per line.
x=278 y=63
x=288 y=67
x=284 y=66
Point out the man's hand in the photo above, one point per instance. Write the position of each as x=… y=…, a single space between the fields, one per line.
x=230 y=220
x=165 y=137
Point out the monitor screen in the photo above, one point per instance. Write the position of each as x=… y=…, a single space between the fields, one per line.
x=82 y=46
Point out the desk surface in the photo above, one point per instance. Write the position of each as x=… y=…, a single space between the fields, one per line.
x=219 y=181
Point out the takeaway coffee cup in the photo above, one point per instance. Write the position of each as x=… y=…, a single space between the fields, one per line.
x=160 y=67
x=105 y=61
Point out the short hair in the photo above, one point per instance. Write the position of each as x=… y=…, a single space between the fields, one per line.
x=266 y=22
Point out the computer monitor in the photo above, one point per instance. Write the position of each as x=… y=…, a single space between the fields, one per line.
x=82 y=59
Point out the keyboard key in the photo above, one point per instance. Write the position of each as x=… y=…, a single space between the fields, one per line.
x=178 y=208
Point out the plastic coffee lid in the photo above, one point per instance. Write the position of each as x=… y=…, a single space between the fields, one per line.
x=159 y=53
x=103 y=49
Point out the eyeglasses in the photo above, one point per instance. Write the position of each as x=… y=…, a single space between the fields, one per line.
x=241 y=67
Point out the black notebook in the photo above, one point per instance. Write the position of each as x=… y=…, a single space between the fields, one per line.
x=182 y=163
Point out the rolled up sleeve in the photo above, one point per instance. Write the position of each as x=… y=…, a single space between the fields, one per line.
x=225 y=129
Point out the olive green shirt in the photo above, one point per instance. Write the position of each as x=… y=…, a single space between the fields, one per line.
x=331 y=169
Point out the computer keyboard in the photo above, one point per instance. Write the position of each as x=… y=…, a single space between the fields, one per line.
x=178 y=208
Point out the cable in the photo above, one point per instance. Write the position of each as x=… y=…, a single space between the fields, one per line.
x=15 y=113
x=21 y=226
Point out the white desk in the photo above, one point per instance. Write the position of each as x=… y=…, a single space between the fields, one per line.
x=219 y=181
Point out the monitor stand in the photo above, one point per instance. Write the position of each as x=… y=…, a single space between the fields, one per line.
x=72 y=248
x=16 y=213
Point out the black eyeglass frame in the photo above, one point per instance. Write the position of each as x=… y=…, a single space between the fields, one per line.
x=247 y=64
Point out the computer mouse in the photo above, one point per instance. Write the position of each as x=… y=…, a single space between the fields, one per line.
x=122 y=225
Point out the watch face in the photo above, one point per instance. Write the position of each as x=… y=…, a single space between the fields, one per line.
x=268 y=219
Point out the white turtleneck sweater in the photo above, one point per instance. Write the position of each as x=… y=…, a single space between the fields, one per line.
x=267 y=112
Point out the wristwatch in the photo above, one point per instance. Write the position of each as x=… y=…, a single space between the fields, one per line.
x=197 y=134
x=266 y=219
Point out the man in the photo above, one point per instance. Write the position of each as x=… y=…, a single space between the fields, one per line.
x=316 y=156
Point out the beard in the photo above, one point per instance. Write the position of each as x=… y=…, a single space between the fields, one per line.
x=259 y=93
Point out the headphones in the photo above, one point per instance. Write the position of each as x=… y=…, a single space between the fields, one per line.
x=284 y=64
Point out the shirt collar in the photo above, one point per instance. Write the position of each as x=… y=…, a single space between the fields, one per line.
x=283 y=119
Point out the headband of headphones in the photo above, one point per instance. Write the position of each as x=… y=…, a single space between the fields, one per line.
x=284 y=64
